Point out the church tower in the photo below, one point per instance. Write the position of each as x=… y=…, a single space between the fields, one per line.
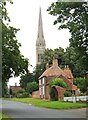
x=40 y=42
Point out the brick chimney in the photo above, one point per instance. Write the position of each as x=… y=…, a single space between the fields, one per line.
x=67 y=66
x=55 y=62
x=47 y=66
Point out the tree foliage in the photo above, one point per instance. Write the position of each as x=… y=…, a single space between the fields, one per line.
x=58 y=82
x=26 y=79
x=32 y=86
x=13 y=62
x=81 y=83
x=74 y=16
x=50 y=54
x=73 y=59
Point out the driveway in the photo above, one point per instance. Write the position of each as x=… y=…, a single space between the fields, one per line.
x=22 y=110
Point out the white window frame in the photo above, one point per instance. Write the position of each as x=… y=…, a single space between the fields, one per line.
x=39 y=82
x=43 y=88
x=40 y=91
x=43 y=80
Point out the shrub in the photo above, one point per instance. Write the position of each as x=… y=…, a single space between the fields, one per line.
x=81 y=83
x=59 y=82
x=67 y=94
x=22 y=95
x=20 y=91
x=32 y=86
x=53 y=92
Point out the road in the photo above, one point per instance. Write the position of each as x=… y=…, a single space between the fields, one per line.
x=22 y=110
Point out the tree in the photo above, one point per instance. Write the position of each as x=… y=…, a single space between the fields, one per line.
x=32 y=86
x=81 y=83
x=50 y=54
x=26 y=79
x=13 y=62
x=73 y=60
x=74 y=16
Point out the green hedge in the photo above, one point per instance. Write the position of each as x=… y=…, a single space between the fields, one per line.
x=22 y=94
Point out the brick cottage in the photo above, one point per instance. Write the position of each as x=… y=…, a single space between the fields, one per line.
x=50 y=74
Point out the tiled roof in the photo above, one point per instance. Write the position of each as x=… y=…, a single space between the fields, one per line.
x=16 y=88
x=74 y=87
x=53 y=71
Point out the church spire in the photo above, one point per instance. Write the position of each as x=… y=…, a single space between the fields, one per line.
x=40 y=42
x=40 y=26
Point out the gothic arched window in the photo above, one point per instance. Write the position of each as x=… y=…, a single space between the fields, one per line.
x=39 y=57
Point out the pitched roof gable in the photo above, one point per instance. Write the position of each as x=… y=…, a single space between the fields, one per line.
x=53 y=71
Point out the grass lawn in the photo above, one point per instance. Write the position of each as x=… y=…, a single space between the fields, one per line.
x=4 y=116
x=50 y=104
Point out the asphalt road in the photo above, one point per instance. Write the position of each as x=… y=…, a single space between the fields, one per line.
x=21 y=110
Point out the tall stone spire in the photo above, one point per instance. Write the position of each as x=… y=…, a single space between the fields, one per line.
x=40 y=42
x=40 y=26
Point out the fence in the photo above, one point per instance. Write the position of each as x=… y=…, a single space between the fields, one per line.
x=76 y=98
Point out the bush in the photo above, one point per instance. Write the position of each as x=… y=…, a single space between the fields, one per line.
x=32 y=86
x=67 y=94
x=59 y=82
x=22 y=94
x=81 y=83
x=53 y=91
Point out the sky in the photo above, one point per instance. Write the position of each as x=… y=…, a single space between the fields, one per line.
x=24 y=14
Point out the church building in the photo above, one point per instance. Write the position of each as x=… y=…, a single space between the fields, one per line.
x=40 y=42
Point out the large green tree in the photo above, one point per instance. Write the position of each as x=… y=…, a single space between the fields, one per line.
x=13 y=62
x=72 y=58
x=24 y=79
x=32 y=86
x=74 y=16
x=81 y=83
x=50 y=54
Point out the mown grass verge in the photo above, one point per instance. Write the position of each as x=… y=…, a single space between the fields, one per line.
x=50 y=104
x=5 y=117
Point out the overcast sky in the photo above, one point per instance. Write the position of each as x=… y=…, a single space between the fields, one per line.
x=24 y=14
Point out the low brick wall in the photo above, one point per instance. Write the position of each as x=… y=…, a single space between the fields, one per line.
x=35 y=94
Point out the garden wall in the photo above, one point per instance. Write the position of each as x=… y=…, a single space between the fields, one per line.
x=35 y=94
